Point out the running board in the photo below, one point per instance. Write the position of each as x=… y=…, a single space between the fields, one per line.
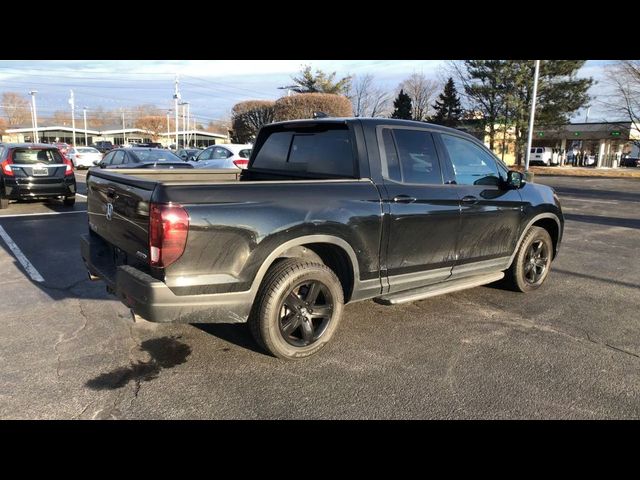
x=438 y=289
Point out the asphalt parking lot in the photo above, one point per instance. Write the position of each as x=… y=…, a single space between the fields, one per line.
x=569 y=350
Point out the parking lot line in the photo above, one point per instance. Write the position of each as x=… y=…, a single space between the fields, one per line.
x=39 y=214
x=81 y=195
x=26 y=264
x=576 y=199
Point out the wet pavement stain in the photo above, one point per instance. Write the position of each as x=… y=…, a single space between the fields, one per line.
x=165 y=352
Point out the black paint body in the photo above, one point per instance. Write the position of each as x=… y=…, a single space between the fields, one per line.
x=237 y=228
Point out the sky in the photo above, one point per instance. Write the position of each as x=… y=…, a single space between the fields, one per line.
x=211 y=87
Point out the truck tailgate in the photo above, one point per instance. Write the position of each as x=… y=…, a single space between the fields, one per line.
x=118 y=210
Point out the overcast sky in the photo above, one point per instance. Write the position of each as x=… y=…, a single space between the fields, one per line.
x=212 y=87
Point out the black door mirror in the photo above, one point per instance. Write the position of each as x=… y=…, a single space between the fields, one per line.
x=515 y=179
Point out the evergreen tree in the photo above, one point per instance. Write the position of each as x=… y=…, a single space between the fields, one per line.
x=448 y=108
x=402 y=106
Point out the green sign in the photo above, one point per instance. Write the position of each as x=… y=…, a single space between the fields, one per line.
x=576 y=134
x=540 y=134
x=615 y=133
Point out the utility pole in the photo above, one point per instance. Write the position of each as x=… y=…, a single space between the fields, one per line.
x=188 y=124
x=35 y=115
x=73 y=117
x=531 y=119
x=124 y=135
x=168 y=138
x=586 y=120
x=184 y=123
x=176 y=97
x=84 y=114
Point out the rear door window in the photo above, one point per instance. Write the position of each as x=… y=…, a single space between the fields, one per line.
x=28 y=156
x=411 y=157
x=326 y=153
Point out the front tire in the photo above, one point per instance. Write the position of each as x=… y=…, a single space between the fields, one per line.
x=297 y=309
x=532 y=262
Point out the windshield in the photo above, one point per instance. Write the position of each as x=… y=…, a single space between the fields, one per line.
x=87 y=150
x=27 y=156
x=156 y=156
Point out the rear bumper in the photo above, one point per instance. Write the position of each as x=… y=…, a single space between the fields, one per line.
x=152 y=299
x=18 y=188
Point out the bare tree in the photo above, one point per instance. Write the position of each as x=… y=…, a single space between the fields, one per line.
x=422 y=92
x=16 y=107
x=61 y=117
x=368 y=100
x=624 y=76
x=152 y=123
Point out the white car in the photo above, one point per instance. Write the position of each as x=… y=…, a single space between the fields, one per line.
x=83 y=157
x=225 y=155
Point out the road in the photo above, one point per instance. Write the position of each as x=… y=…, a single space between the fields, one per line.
x=569 y=350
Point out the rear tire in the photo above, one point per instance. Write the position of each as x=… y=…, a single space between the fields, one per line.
x=532 y=262
x=69 y=201
x=297 y=309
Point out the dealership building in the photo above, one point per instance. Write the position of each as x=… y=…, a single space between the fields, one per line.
x=117 y=136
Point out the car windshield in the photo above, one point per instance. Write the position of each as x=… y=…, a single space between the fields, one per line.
x=27 y=156
x=156 y=156
x=86 y=150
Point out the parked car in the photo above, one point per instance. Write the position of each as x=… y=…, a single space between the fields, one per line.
x=103 y=146
x=84 y=157
x=135 y=157
x=35 y=171
x=149 y=145
x=63 y=147
x=226 y=156
x=630 y=162
x=329 y=211
x=543 y=156
x=188 y=154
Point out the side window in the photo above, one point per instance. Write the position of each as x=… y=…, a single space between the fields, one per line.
x=471 y=164
x=118 y=157
x=107 y=159
x=220 y=153
x=127 y=159
x=206 y=155
x=413 y=159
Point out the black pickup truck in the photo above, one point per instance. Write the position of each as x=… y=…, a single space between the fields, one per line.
x=329 y=211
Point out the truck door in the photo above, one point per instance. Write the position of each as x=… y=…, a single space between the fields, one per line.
x=423 y=213
x=490 y=214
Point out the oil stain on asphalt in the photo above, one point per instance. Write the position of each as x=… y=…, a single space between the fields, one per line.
x=165 y=352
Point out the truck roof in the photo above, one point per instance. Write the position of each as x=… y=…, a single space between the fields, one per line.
x=374 y=122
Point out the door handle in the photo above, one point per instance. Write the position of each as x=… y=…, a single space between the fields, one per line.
x=469 y=200
x=404 y=199
x=111 y=193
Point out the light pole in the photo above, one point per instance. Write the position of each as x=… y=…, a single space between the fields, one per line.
x=531 y=119
x=168 y=140
x=176 y=97
x=35 y=116
x=288 y=89
x=73 y=117
x=184 y=123
x=84 y=114
x=124 y=135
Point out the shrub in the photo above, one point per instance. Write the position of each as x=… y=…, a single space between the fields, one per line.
x=304 y=105
x=248 y=117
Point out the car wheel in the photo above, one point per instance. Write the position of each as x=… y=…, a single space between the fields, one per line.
x=69 y=201
x=297 y=310
x=532 y=262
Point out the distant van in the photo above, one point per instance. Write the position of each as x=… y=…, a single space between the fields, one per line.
x=543 y=156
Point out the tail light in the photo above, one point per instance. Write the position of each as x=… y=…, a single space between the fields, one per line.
x=168 y=228
x=69 y=164
x=6 y=167
x=241 y=163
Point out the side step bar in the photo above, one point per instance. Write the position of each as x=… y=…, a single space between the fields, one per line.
x=438 y=289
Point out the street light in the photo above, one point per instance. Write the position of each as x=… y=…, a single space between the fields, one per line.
x=73 y=116
x=184 y=124
x=168 y=139
x=84 y=114
x=35 y=115
x=531 y=119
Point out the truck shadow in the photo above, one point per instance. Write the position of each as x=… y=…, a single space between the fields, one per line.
x=165 y=352
x=236 y=333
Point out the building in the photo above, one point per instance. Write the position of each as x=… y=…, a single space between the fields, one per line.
x=607 y=142
x=117 y=136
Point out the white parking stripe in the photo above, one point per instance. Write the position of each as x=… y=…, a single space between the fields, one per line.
x=39 y=214
x=81 y=195
x=26 y=264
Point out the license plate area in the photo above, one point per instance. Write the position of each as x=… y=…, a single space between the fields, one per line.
x=39 y=171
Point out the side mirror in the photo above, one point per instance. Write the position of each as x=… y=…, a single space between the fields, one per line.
x=191 y=159
x=97 y=162
x=515 y=179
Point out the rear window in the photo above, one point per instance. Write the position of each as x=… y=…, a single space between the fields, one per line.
x=327 y=152
x=245 y=153
x=27 y=156
x=157 y=156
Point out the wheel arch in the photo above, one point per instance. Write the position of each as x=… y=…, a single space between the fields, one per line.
x=550 y=222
